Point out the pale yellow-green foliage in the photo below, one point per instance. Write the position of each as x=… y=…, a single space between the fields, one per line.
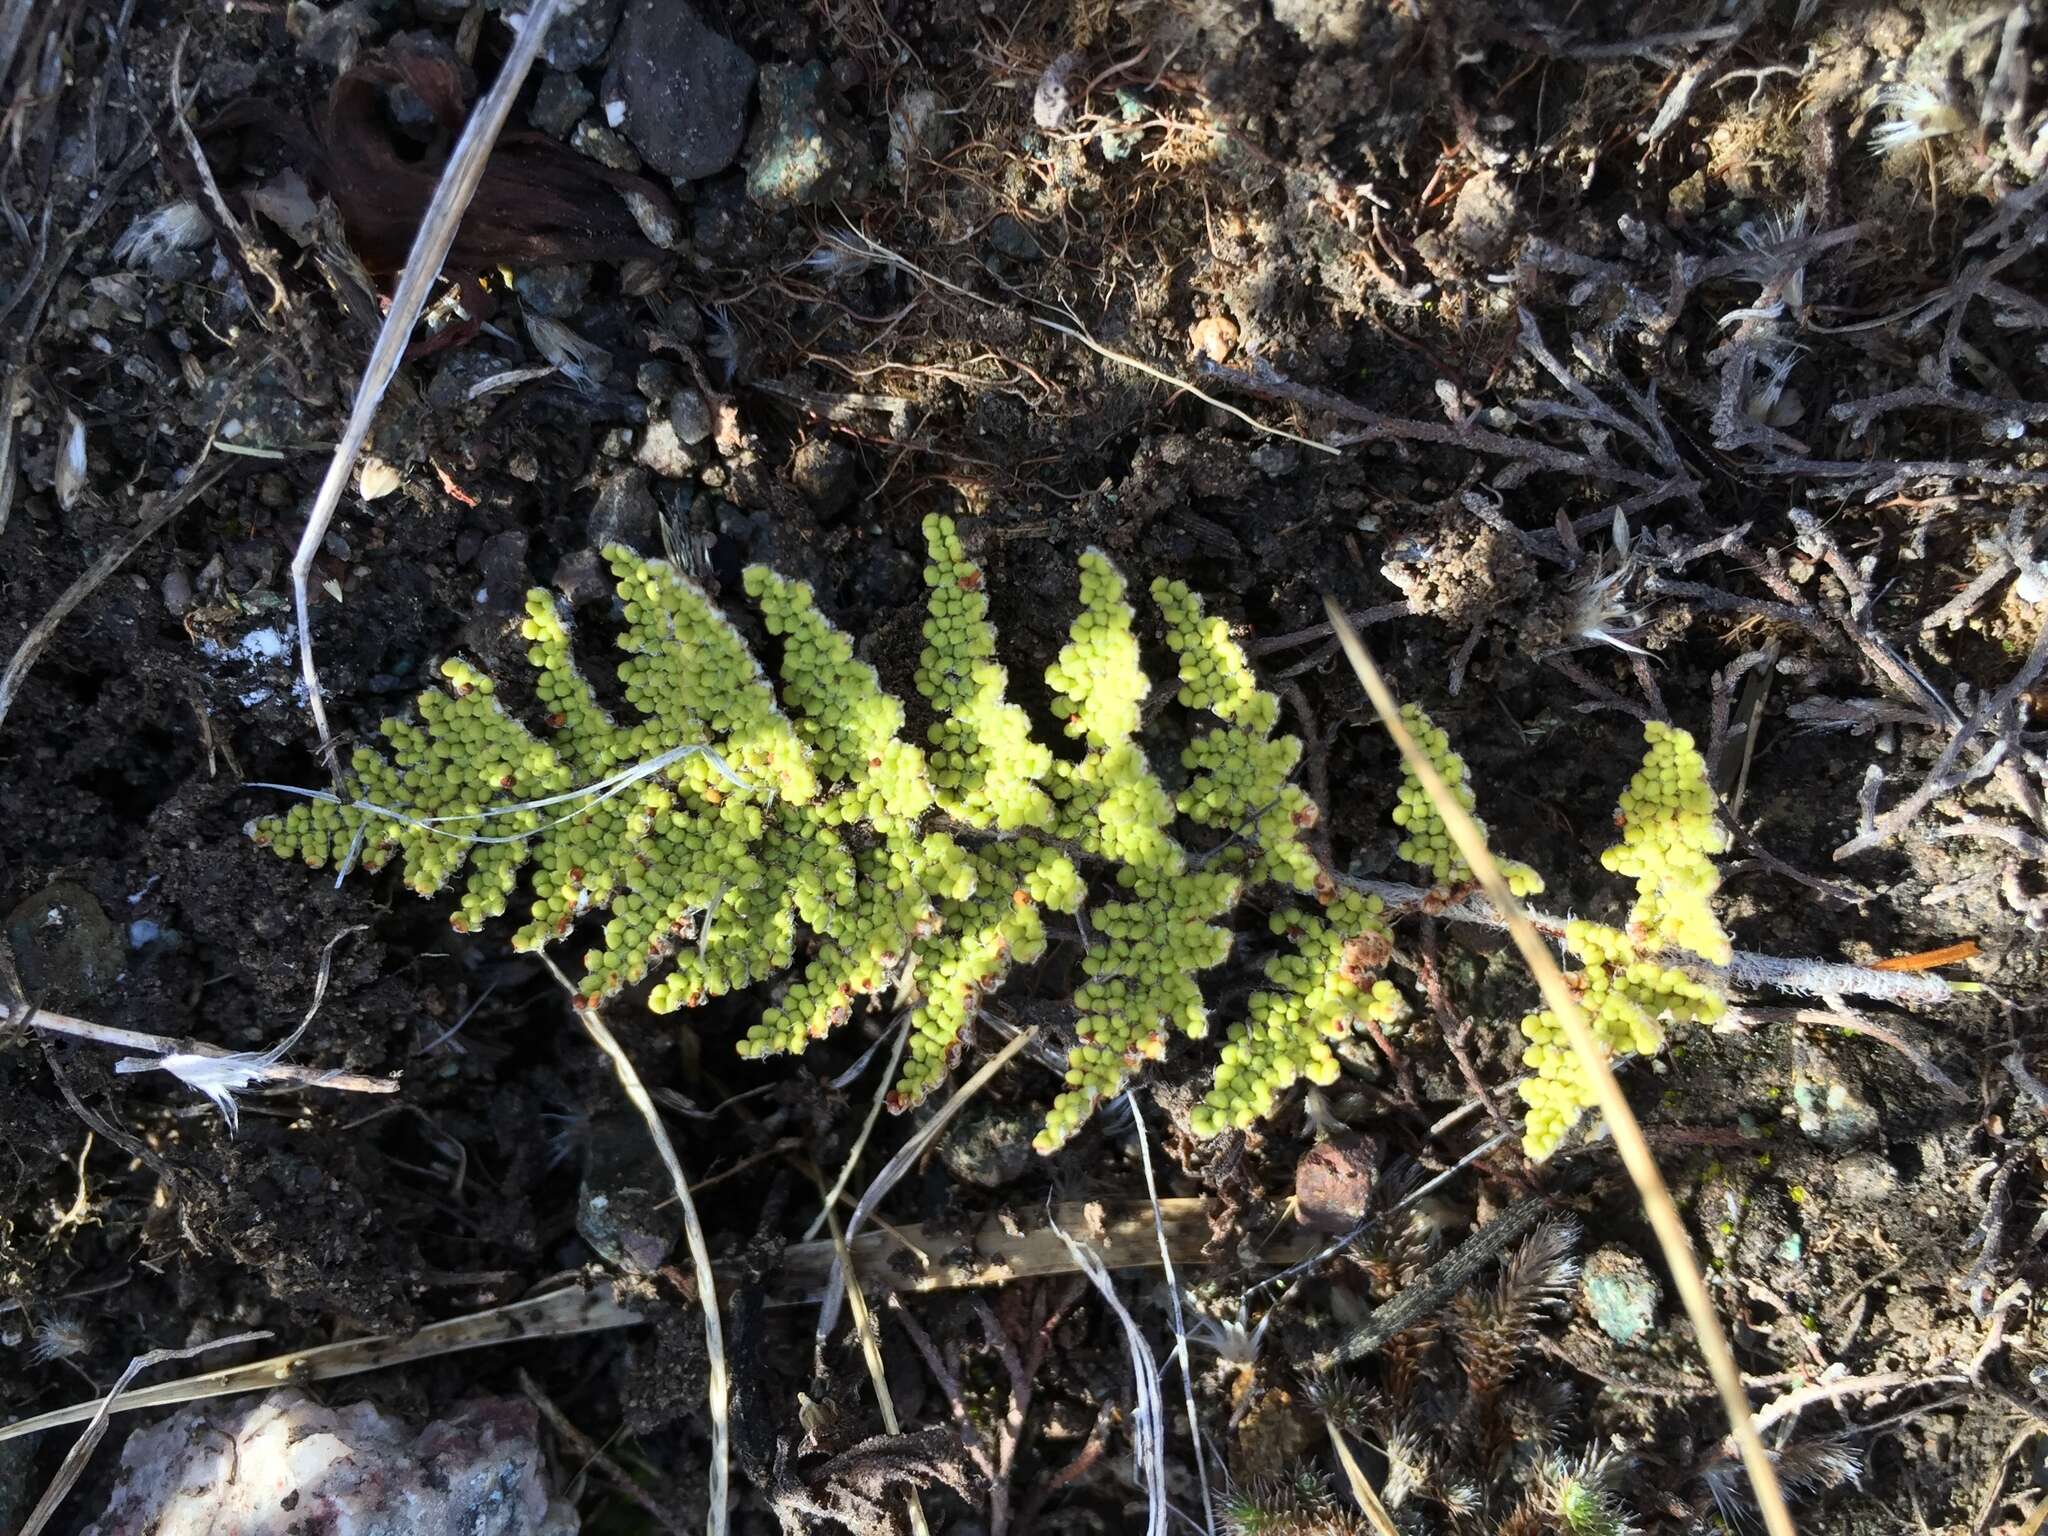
x=730 y=832
x=1427 y=841
x=1626 y=998
x=1669 y=836
x=1318 y=993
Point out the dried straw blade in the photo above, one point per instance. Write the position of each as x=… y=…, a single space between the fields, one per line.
x=437 y=229
x=719 y=1381
x=1010 y=1245
x=871 y=1351
x=1621 y=1121
x=911 y=1150
x=1355 y=1479
x=81 y=1451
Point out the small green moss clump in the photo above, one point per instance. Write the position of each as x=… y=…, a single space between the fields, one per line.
x=1240 y=770
x=1319 y=993
x=985 y=767
x=1669 y=836
x=1427 y=841
x=730 y=832
x=850 y=725
x=1626 y=998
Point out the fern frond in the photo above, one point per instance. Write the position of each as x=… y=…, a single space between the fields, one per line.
x=730 y=829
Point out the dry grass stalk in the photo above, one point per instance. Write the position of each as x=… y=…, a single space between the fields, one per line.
x=200 y=479
x=102 y=1410
x=1011 y=1246
x=897 y=1166
x=557 y=1314
x=871 y=1351
x=1354 y=1478
x=1621 y=1121
x=719 y=1383
x=167 y=1045
x=1178 y=1313
x=422 y=269
x=860 y=1142
x=860 y=245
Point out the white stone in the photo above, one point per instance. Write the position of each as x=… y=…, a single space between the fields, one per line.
x=283 y=1464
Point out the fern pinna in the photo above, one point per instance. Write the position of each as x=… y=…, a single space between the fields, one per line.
x=729 y=827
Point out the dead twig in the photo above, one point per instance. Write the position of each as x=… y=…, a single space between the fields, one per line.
x=430 y=246
x=1837 y=1016
x=167 y=1045
x=897 y=1166
x=1266 y=645
x=575 y=1309
x=1084 y=1461
x=1745 y=969
x=1456 y=1030
x=1434 y=1289
x=1011 y=1245
x=616 y=1477
x=254 y=259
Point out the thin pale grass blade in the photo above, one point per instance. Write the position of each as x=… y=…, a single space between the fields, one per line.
x=860 y=1142
x=719 y=1385
x=200 y=478
x=458 y=185
x=875 y=251
x=102 y=1410
x=589 y=796
x=1180 y=1329
x=1621 y=1121
x=1354 y=1476
x=1015 y=1245
x=575 y=1309
x=871 y=1351
x=168 y=1045
x=900 y=1164
x=1148 y=1415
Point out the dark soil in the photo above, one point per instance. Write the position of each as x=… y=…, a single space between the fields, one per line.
x=1417 y=216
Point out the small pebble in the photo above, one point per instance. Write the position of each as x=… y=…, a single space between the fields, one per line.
x=662 y=450
x=623 y=513
x=604 y=146
x=690 y=416
x=989 y=1145
x=626 y=1206
x=559 y=104
x=823 y=469
x=177 y=591
x=1334 y=1183
x=1013 y=238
